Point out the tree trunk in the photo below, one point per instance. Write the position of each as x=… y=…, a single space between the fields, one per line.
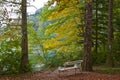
x=96 y=29
x=110 y=61
x=87 y=64
x=24 y=44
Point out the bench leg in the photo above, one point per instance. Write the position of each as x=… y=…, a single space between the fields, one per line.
x=75 y=71
x=59 y=73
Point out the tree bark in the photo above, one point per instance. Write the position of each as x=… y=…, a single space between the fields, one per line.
x=24 y=43
x=96 y=29
x=110 y=61
x=87 y=64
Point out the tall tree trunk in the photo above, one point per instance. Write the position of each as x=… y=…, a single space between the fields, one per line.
x=87 y=64
x=96 y=29
x=24 y=44
x=110 y=61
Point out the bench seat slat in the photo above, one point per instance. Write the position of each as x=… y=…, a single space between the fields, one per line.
x=67 y=68
x=75 y=64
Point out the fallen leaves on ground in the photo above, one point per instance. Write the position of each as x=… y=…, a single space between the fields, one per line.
x=66 y=75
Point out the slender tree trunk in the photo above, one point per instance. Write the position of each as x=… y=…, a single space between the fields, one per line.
x=24 y=44
x=96 y=29
x=87 y=64
x=110 y=61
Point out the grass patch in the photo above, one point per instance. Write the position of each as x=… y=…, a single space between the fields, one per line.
x=107 y=70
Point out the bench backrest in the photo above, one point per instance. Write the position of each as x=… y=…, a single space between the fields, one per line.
x=71 y=63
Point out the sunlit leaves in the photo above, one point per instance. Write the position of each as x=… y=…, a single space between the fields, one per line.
x=66 y=17
x=88 y=1
x=66 y=34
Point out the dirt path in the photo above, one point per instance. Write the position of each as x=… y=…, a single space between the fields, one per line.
x=67 y=75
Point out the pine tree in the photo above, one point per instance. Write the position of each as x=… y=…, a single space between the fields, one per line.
x=87 y=65
x=110 y=61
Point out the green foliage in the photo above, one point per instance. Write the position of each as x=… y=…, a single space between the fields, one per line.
x=9 y=57
x=10 y=54
x=35 y=61
x=100 y=57
x=116 y=49
x=53 y=59
x=9 y=62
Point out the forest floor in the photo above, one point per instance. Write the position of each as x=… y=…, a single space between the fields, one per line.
x=67 y=75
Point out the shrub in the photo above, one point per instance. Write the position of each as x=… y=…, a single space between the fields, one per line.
x=10 y=62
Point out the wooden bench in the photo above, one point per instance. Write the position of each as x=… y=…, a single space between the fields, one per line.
x=71 y=65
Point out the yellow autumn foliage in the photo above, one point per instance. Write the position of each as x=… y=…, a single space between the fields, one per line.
x=70 y=8
x=1 y=39
x=67 y=34
x=88 y=1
